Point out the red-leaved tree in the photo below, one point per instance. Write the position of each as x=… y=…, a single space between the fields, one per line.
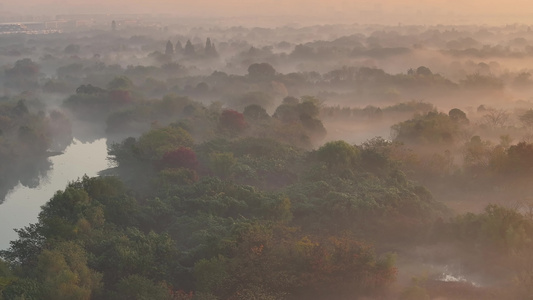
x=232 y=120
x=183 y=157
x=120 y=96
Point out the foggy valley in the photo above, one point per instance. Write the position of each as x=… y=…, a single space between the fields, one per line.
x=370 y=155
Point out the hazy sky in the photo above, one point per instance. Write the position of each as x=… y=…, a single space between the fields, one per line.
x=309 y=8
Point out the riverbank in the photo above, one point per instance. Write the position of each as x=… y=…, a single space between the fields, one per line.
x=22 y=204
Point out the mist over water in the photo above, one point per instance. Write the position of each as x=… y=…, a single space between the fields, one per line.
x=23 y=204
x=381 y=150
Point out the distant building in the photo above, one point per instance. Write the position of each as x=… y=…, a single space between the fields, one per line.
x=29 y=27
x=12 y=28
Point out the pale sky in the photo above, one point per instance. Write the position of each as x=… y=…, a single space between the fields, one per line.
x=309 y=8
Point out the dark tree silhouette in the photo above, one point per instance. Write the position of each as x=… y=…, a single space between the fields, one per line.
x=23 y=75
x=89 y=90
x=261 y=71
x=169 y=50
x=189 y=48
x=255 y=112
x=210 y=50
x=423 y=71
x=72 y=49
x=458 y=116
x=527 y=118
x=179 y=47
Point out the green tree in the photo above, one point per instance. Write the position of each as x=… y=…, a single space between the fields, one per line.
x=64 y=273
x=222 y=164
x=137 y=287
x=158 y=141
x=210 y=274
x=431 y=128
x=338 y=154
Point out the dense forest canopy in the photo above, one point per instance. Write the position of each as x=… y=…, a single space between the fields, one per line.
x=320 y=162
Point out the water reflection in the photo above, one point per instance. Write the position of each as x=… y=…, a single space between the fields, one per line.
x=23 y=204
x=27 y=173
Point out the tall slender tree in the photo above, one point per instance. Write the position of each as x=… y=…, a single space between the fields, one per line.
x=210 y=50
x=189 y=48
x=179 y=47
x=169 y=49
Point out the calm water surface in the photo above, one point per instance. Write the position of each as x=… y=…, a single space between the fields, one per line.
x=22 y=205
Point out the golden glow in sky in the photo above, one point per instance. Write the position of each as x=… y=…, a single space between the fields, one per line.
x=382 y=9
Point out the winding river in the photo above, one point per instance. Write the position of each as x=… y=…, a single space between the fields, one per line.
x=22 y=204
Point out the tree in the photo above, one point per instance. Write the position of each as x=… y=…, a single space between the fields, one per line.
x=261 y=71
x=232 y=120
x=169 y=50
x=458 y=116
x=90 y=90
x=70 y=71
x=20 y=109
x=222 y=163
x=338 y=154
x=424 y=71
x=287 y=113
x=290 y=100
x=120 y=83
x=210 y=50
x=210 y=274
x=189 y=49
x=183 y=157
x=498 y=228
x=24 y=67
x=120 y=96
x=313 y=126
x=64 y=273
x=520 y=158
x=476 y=155
x=155 y=143
x=259 y=98
x=23 y=75
x=255 y=112
x=309 y=106
x=179 y=47
x=68 y=205
x=496 y=118
x=141 y=288
x=431 y=128
x=72 y=49
x=527 y=118
x=303 y=52
x=478 y=81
